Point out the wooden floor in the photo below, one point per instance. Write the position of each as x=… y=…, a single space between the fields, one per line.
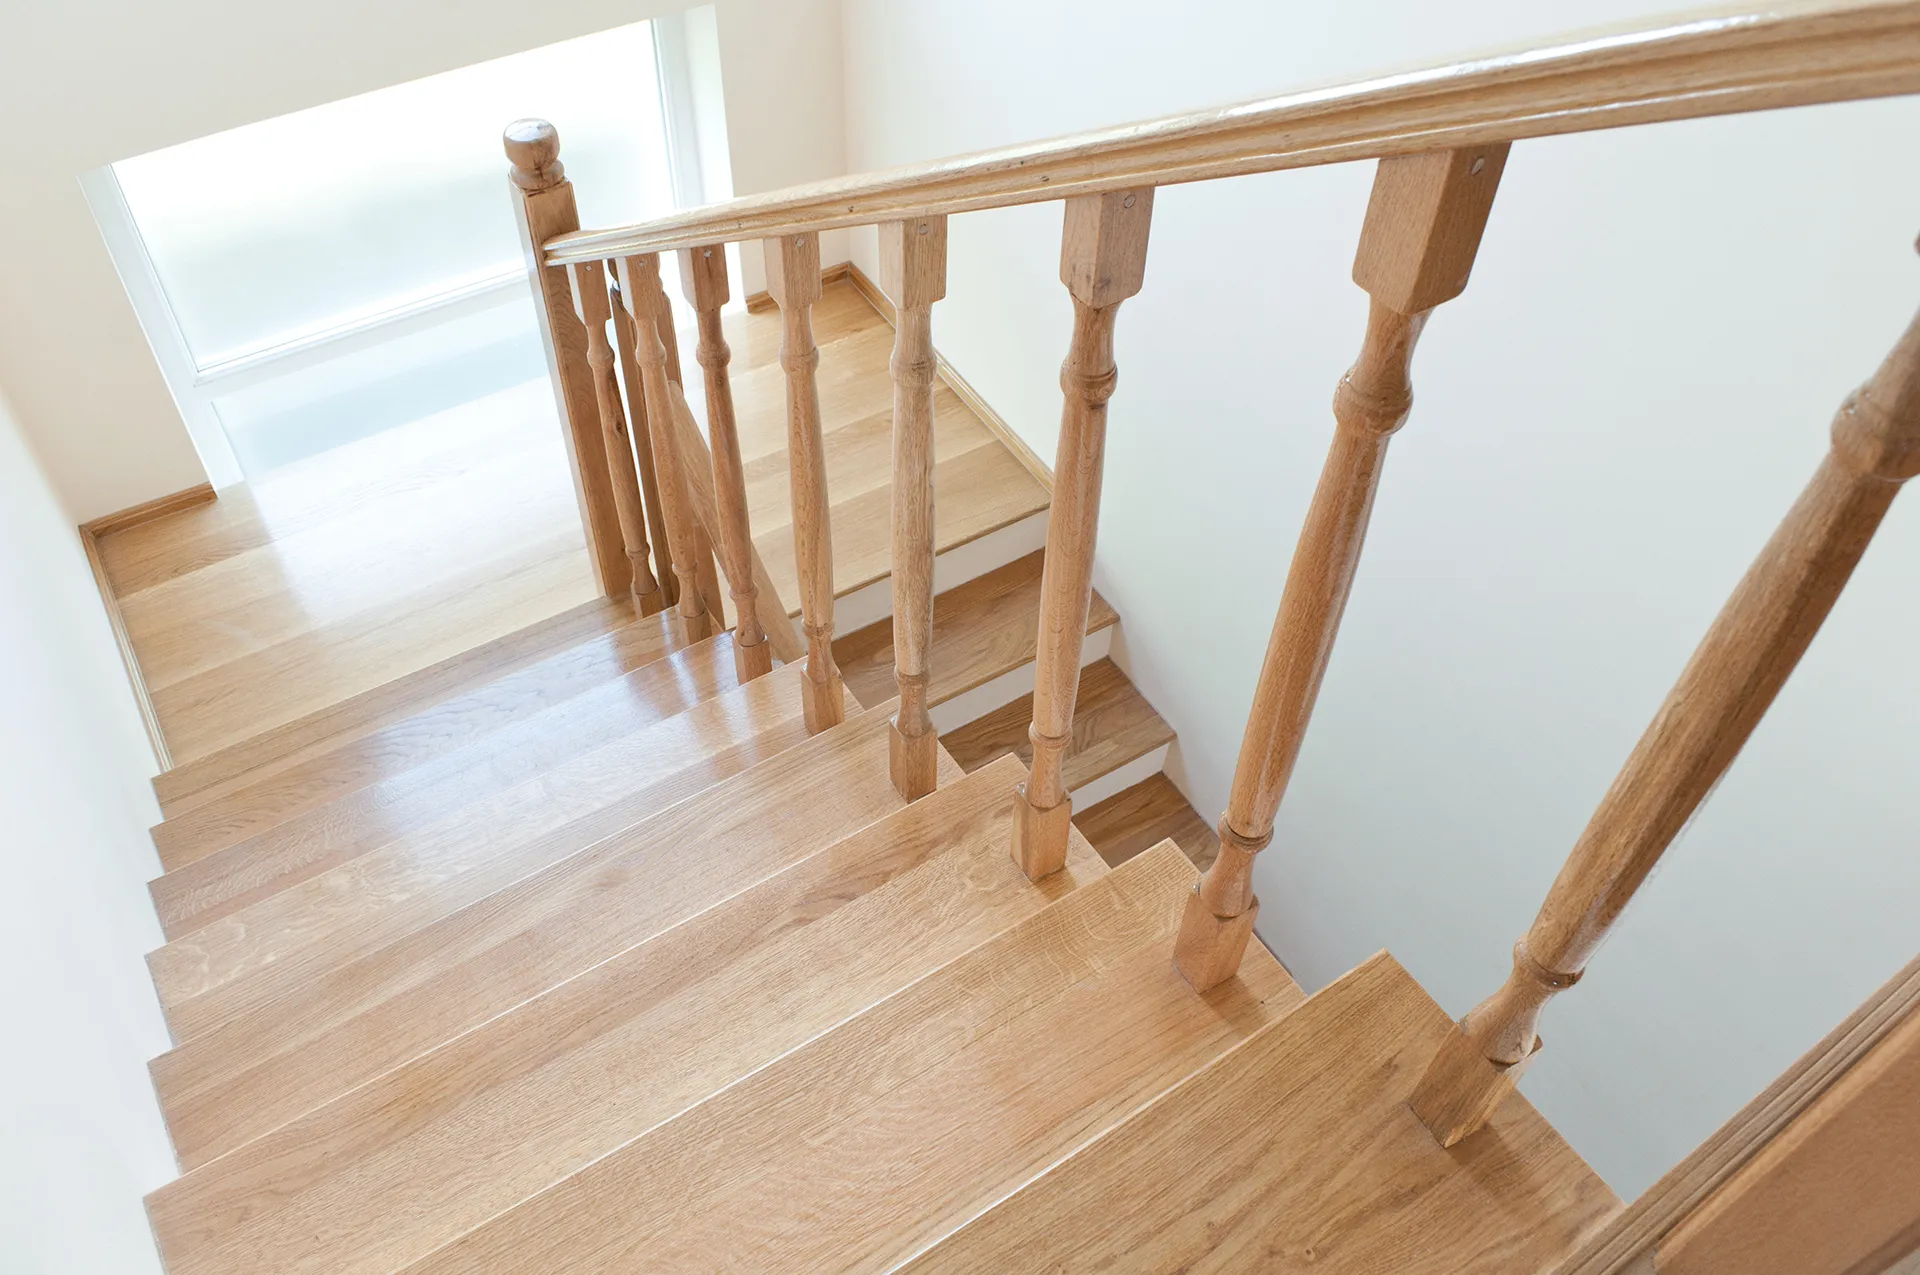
x=354 y=567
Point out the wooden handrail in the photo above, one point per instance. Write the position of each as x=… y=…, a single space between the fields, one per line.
x=1720 y=63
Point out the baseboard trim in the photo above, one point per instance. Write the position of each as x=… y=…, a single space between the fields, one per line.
x=761 y=302
x=90 y=537
x=963 y=390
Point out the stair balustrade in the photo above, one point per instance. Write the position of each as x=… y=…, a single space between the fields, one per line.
x=1441 y=137
x=652 y=319
x=913 y=274
x=703 y=275
x=793 y=278
x=595 y=311
x=1417 y=245
x=1103 y=261
x=642 y=439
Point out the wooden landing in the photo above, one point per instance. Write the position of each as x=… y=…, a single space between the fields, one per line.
x=341 y=573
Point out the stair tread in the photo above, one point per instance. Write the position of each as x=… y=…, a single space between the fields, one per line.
x=982 y=629
x=204 y=778
x=1113 y=724
x=201 y=885
x=326 y=773
x=1140 y=817
x=392 y=1170
x=1258 y=1159
x=252 y=956
x=850 y=1153
x=326 y=1035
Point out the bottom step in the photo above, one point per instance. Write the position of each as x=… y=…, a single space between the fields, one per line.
x=1295 y=1151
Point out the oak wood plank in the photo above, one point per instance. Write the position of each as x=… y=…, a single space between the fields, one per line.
x=251 y=957
x=1131 y=822
x=391 y=1171
x=1241 y=1166
x=318 y=1039
x=968 y=1082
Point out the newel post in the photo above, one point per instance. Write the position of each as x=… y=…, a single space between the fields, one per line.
x=1738 y=668
x=913 y=273
x=544 y=208
x=1417 y=247
x=1103 y=261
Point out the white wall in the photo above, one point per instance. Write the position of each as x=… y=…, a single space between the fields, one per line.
x=1609 y=423
x=81 y=1139
x=95 y=81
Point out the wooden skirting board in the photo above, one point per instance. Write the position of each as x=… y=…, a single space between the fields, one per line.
x=90 y=536
x=996 y=425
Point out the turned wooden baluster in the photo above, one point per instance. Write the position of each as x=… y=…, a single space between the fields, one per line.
x=1733 y=676
x=646 y=303
x=701 y=551
x=1103 y=260
x=590 y=303
x=1417 y=247
x=793 y=279
x=703 y=276
x=544 y=207
x=913 y=272
x=642 y=438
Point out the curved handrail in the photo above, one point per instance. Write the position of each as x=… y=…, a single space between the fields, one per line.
x=1790 y=54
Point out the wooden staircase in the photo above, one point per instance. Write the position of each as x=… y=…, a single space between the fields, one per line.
x=597 y=961
x=625 y=942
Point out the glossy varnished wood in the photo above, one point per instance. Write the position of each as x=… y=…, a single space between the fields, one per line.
x=1720 y=696
x=1113 y=724
x=1103 y=261
x=473 y=1129
x=209 y=878
x=592 y=307
x=322 y=775
x=913 y=271
x=1417 y=246
x=324 y=1036
x=703 y=273
x=250 y=957
x=1719 y=62
x=348 y=570
x=576 y=640
x=793 y=277
x=855 y=1151
x=1296 y=1151
x=986 y=629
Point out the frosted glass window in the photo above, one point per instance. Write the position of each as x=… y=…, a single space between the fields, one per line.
x=309 y=222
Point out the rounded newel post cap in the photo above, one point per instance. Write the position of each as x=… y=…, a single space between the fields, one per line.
x=533 y=148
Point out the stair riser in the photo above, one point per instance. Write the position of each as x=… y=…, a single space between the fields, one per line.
x=1120 y=778
x=874 y=602
x=970 y=706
